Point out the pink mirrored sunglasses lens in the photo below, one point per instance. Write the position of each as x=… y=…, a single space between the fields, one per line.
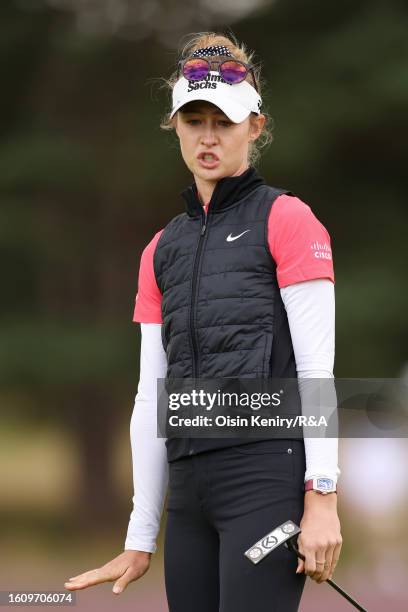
x=232 y=72
x=195 y=69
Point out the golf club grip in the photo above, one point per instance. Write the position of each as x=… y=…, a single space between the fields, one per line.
x=293 y=546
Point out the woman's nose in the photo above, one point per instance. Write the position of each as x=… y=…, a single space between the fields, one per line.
x=209 y=134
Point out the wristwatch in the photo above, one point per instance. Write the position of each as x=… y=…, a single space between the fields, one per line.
x=321 y=485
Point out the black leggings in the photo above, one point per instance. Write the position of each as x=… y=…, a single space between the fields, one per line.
x=220 y=503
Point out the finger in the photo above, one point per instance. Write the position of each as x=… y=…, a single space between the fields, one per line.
x=87 y=579
x=311 y=568
x=301 y=564
x=318 y=555
x=78 y=576
x=325 y=573
x=121 y=584
x=327 y=565
x=316 y=575
x=335 y=559
x=84 y=574
x=75 y=586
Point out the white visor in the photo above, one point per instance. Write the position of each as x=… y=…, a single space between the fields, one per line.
x=236 y=101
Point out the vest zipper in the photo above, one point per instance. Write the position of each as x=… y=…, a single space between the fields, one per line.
x=196 y=266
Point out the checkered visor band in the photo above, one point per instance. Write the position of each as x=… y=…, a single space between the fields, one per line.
x=210 y=51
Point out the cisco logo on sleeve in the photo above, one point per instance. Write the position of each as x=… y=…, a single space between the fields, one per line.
x=321 y=251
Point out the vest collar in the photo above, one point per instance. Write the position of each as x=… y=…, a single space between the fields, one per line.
x=227 y=190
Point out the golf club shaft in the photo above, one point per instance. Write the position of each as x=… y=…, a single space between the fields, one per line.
x=331 y=582
x=346 y=595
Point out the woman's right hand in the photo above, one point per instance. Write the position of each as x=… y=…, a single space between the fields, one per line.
x=126 y=567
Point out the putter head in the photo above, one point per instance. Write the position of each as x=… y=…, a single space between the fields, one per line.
x=272 y=540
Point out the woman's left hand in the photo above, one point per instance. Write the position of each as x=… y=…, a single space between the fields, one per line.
x=320 y=539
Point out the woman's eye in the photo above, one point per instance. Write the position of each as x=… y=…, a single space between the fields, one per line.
x=197 y=121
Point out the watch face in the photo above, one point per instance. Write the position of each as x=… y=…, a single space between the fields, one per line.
x=325 y=484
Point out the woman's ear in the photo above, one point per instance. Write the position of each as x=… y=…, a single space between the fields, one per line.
x=174 y=122
x=257 y=123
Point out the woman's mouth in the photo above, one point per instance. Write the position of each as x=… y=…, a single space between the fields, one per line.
x=208 y=160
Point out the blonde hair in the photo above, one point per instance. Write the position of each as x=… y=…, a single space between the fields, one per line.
x=240 y=52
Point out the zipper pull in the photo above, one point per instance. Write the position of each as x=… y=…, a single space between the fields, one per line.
x=203 y=229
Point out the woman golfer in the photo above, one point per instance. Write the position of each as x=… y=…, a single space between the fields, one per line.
x=239 y=284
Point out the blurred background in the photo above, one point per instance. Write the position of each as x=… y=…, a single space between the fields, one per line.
x=86 y=179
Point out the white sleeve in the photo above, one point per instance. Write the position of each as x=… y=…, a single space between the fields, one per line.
x=149 y=455
x=310 y=307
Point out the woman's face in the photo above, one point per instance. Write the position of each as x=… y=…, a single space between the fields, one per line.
x=203 y=128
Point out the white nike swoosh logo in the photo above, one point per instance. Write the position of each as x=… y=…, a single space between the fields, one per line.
x=230 y=238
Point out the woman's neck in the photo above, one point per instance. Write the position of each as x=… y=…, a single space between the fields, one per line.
x=206 y=188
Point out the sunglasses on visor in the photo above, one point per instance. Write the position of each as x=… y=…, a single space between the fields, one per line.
x=232 y=71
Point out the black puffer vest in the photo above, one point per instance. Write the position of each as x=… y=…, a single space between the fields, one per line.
x=223 y=314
